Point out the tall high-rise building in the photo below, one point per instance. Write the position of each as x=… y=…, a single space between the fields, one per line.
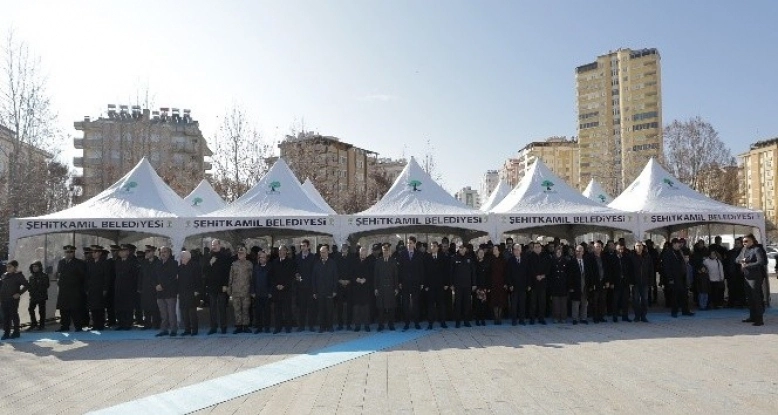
x=619 y=102
x=488 y=183
x=113 y=144
x=558 y=153
x=760 y=177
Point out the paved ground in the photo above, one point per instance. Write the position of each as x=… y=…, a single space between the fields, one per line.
x=710 y=363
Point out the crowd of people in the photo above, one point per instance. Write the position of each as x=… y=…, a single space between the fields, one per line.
x=382 y=286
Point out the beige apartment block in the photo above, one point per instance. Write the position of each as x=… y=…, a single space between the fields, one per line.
x=759 y=178
x=558 y=153
x=113 y=144
x=619 y=103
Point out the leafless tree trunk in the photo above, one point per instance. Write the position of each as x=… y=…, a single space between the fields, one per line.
x=693 y=148
x=239 y=154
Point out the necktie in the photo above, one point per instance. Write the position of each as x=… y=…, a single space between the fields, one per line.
x=410 y=254
x=580 y=265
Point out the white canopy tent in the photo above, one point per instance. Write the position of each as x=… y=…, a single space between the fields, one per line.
x=314 y=194
x=498 y=194
x=542 y=203
x=138 y=205
x=666 y=205
x=595 y=192
x=204 y=198
x=276 y=206
x=415 y=203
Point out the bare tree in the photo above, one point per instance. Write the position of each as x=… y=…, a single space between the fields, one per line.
x=721 y=183
x=429 y=165
x=27 y=127
x=693 y=148
x=240 y=154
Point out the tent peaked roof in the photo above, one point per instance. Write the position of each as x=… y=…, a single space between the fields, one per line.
x=314 y=194
x=278 y=193
x=656 y=190
x=141 y=193
x=542 y=191
x=414 y=192
x=498 y=194
x=595 y=192
x=204 y=199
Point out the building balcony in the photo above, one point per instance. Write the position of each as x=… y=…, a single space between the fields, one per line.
x=78 y=143
x=78 y=162
x=207 y=165
x=77 y=180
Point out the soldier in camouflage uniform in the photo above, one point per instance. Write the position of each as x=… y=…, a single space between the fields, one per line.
x=240 y=290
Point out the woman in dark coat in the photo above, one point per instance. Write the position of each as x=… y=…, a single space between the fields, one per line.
x=498 y=297
x=558 y=285
x=482 y=283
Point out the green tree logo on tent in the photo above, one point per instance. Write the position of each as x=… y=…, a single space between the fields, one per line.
x=669 y=183
x=414 y=184
x=274 y=185
x=602 y=198
x=197 y=201
x=129 y=186
x=548 y=184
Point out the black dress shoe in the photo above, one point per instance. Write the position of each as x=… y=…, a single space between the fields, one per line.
x=320 y=331
x=299 y=329
x=173 y=334
x=186 y=333
x=224 y=330
x=443 y=326
x=615 y=319
x=357 y=328
x=162 y=333
x=532 y=322
x=15 y=334
x=758 y=323
x=6 y=336
x=467 y=324
x=575 y=322
x=406 y=327
x=417 y=326
x=584 y=322
x=429 y=326
x=542 y=321
x=194 y=333
x=211 y=331
x=522 y=323
x=238 y=330
x=31 y=328
x=391 y=327
x=748 y=320
x=456 y=324
x=367 y=329
x=514 y=322
x=626 y=319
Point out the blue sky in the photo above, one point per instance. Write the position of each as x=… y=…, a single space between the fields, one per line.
x=478 y=79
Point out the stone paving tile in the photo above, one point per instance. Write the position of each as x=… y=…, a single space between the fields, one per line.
x=711 y=363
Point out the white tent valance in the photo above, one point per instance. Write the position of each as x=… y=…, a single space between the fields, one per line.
x=416 y=203
x=543 y=203
x=667 y=205
x=276 y=206
x=138 y=205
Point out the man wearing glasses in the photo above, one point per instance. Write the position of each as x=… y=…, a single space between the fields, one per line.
x=754 y=265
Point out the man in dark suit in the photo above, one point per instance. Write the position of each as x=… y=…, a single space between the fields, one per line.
x=411 y=281
x=517 y=279
x=325 y=286
x=598 y=290
x=306 y=305
x=674 y=273
x=753 y=262
x=582 y=277
x=621 y=276
x=97 y=282
x=71 y=277
x=539 y=266
x=437 y=281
